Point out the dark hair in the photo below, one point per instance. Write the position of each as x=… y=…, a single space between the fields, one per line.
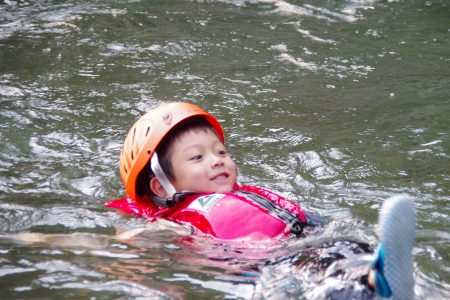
x=165 y=151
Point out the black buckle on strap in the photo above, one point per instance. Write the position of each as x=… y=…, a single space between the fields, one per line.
x=177 y=198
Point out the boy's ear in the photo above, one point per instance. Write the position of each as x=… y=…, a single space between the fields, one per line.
x=157 y=188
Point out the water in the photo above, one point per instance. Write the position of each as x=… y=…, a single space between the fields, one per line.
x=336 y=104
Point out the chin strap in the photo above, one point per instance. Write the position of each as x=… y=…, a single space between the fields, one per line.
x=174 y=197
x=177 y=198
x=159 y=173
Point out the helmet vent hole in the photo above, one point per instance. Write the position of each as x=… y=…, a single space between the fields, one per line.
x=134 y=134
x=126 y=171
x=132 y=155
x=148 y=130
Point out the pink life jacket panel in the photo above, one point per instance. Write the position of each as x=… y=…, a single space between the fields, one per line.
x=227 y=216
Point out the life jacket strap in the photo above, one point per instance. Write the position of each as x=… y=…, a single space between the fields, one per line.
x=294 y=223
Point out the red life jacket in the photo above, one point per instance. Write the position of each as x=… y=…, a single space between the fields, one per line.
x=225 y=216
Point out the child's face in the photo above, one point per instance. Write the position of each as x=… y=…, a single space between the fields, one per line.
x=201 y=164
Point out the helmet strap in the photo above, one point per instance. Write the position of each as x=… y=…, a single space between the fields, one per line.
x=159 y=173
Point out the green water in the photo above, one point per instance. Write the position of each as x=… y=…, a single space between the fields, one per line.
x=336 y=104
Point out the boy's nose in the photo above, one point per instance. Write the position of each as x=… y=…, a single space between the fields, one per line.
x=217 y=162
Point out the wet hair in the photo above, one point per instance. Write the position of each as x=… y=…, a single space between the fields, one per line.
x=165 y=152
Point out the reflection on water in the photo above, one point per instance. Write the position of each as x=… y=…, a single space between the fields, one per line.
x=336 y=104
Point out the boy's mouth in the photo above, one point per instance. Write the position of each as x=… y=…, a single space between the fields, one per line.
x=220 y=176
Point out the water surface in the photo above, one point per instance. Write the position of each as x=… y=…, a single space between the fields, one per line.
x=335 y=104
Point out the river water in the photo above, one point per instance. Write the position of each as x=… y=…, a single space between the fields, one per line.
x=335 y=104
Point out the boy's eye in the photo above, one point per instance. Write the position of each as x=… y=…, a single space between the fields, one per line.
x=196 y=157
x=222 y=152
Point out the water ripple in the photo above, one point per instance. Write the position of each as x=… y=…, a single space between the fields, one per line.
x=134 y=290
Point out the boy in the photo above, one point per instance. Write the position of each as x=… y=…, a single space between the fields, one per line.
x=174 y=165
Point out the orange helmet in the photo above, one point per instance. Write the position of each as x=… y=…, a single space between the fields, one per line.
x=147 y=133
